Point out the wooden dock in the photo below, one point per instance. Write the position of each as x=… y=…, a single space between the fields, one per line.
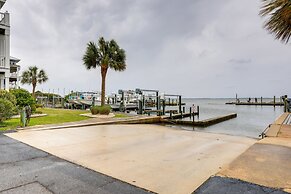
x=256 y=103
x=203 y=123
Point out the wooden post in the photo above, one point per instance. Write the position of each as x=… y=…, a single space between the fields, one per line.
x=157 y=101
x=180 y=104
x=183 y=109
x=164 y=106
x=285 y=103
x=143 y=104
x=261 y=100
x=190 y=112
x=274 y=101
x=139 y=107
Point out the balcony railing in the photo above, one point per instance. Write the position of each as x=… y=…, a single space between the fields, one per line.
x=13 y=75
x=2 y=61
x=4 y=18
x=2 y=2
x=2 y=15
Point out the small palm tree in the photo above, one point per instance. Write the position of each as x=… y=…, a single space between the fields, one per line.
x=279 y=20
x=33 y=76
x=106 y=55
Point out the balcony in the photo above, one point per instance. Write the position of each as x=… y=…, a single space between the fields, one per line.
x=4 y=18
x=2 y=15
x=2 y=62
x=13 y=75
x=2 y=2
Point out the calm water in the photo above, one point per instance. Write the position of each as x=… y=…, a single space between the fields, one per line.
x=250 y=121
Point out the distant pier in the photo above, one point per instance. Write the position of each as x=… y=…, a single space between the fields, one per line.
x=257 y=103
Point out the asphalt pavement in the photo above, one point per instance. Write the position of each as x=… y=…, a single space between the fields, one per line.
x=24 y=169
x=224 y=185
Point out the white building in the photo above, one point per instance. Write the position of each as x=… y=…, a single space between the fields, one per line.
x=9 y=70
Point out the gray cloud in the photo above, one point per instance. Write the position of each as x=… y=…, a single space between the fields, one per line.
x=199 y=48
x=240 y=61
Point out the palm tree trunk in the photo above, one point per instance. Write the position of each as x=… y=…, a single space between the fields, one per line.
x=33 y=90
x=103 y=75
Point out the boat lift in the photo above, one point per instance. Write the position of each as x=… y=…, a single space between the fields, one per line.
x=125 y=100
x=142 y=101
x=179 y=102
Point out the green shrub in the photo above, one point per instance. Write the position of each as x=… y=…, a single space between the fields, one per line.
x=33 y=108
x=23 y=98
x=7 y=109
x=103 y=110
x=38 y=112
x=94 y=110
x=8 y=96
x=38 y=105
x=5 y=95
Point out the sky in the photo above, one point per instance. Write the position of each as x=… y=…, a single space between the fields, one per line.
x=196 y=48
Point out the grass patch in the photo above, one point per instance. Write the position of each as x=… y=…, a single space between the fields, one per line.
x=55 y=116
x=120 y=115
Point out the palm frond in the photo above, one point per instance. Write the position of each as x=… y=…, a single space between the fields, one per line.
x=279 y=18
x=42 y=77
x=91 y=57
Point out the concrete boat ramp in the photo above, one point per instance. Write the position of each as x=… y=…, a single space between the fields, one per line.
x=264 y=168
x=161 y=159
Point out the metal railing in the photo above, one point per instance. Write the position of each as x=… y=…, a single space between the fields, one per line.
x=4 y=19
x=2 y=16
x=13 y=75
x=2 y=61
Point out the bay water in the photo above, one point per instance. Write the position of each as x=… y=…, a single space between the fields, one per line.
x=250 y=121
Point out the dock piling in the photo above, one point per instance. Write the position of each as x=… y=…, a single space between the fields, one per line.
x=190 y=110
x=180 y=104
x=164 y=106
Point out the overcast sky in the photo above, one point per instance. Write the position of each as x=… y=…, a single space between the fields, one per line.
x=197 y=48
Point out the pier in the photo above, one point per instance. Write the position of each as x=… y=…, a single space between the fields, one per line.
x=260 y=102
x=256 y=103
x=203 y=123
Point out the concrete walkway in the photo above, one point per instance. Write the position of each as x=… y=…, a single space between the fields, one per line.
x=264 y=168
x=26 y=170
x=138 y=119
x=157 y=158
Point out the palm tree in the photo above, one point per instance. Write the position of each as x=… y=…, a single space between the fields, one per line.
x=106 y=55
x=279 y=18
x=33 y=76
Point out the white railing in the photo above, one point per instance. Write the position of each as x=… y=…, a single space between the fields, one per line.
x=2 y=2
x=13 y=75
x=2 y=15
x=4 y=19
x=2 y=61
